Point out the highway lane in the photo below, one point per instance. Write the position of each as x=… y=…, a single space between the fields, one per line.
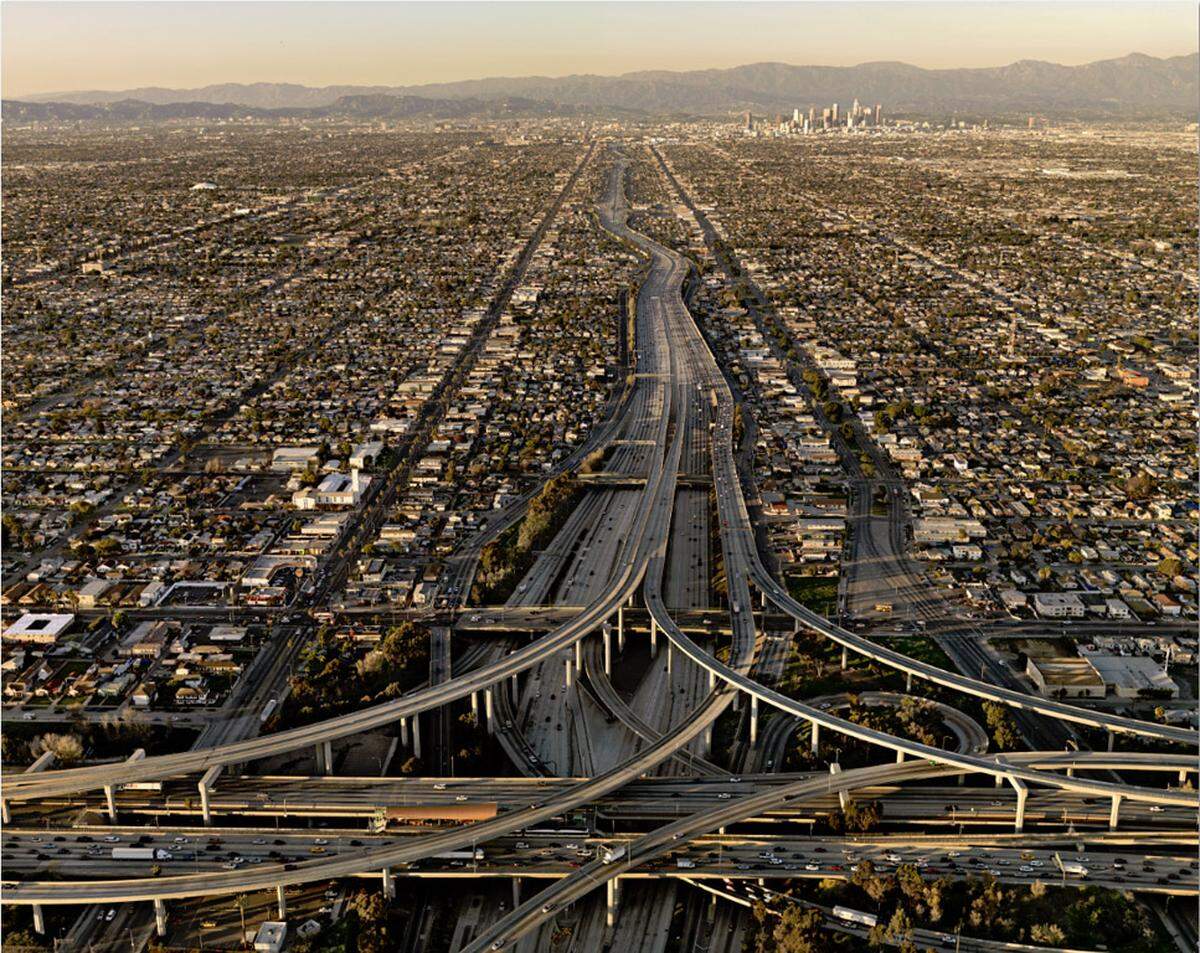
x=1162 y=866
x=347 y=797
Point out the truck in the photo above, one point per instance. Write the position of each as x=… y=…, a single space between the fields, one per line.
x=140 y=853
x=855 y=916
x=683 y=863
x=474 y=855
x=610 y=855
x=1074 y=869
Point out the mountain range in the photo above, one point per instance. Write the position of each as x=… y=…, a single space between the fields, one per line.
x=1134 y=85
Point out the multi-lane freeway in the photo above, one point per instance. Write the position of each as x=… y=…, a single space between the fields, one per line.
x=602 y=715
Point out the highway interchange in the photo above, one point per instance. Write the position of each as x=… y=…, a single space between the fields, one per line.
x=566 y=704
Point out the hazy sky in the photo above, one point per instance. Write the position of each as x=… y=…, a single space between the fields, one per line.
x=72 y=46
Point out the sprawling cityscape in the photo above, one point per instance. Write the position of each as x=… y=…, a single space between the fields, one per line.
x=768 y=531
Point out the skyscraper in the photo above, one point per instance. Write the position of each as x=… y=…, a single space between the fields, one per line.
x=834 y=113
x=878 y=115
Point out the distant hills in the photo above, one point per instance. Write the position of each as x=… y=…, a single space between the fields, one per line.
x=365 y=106
x=1132 y=85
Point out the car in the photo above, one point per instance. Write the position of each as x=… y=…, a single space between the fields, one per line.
x=259 y=840
x=724 y=796
x=111 y=838
x=439 y=787
x=320 y=841
x=1156 y=808
x=180 y=839
x=111 y=915
x=547 y=908
x=461 y=797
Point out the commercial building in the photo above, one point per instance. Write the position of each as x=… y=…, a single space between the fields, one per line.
x=1134 y=676
x=1058 y=605
x=1065 y=678
x=337 y=489
x=42 y=628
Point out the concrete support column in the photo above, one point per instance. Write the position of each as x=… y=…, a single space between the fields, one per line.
x=606 y=633
x=39 y=919
x=569 y=673
x=712 y=680
x=416 y=726
x=1182 y=779
x=621 y=623
x=1111 y=740
x=1022 y=796
x=1070 y=772
x=1115 y=813
x=707 y=746
x=160 y=918
x=404 y=726
x=843 y=795
x=671 y=664
x=579 y=656
x=489 y=708
x=281 y=902
x=516 y=689
x=899 y=757
x=613 y=896
x=389 y=884
x=5 y=814
x=845 y=658
x=475 y=705
x=763 y=601
x=816 y=737
x=753 y=720
x=110 y=800
x=206 y=786
x=908 y=681
x=327 y=755
x=516 y=892
x=653 y=638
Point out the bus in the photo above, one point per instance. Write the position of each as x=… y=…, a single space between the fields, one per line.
x=855 y=916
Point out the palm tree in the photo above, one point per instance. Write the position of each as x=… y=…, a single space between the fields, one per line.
x=240 y=900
